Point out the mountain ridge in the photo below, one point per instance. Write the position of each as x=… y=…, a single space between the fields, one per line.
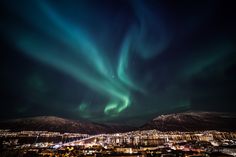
x=184 y=121
x=53 y=123
x=193 y=121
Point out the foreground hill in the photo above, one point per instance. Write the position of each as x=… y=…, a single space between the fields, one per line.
x=51 y=123
x=193 y=121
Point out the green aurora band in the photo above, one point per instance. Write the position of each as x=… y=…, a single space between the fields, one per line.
x=97 y=50
x=79 y=56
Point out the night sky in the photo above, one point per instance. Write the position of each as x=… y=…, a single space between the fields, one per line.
x=117 y=61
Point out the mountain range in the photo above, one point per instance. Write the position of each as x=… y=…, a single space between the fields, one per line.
x=185 y=121
x=52 y=123
x=193 y=121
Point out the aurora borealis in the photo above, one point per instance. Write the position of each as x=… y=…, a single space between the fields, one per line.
x=110 y=61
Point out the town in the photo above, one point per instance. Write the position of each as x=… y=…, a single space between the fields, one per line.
x=141 y=143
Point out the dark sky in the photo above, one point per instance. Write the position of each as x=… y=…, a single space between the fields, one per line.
x=116 y=61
